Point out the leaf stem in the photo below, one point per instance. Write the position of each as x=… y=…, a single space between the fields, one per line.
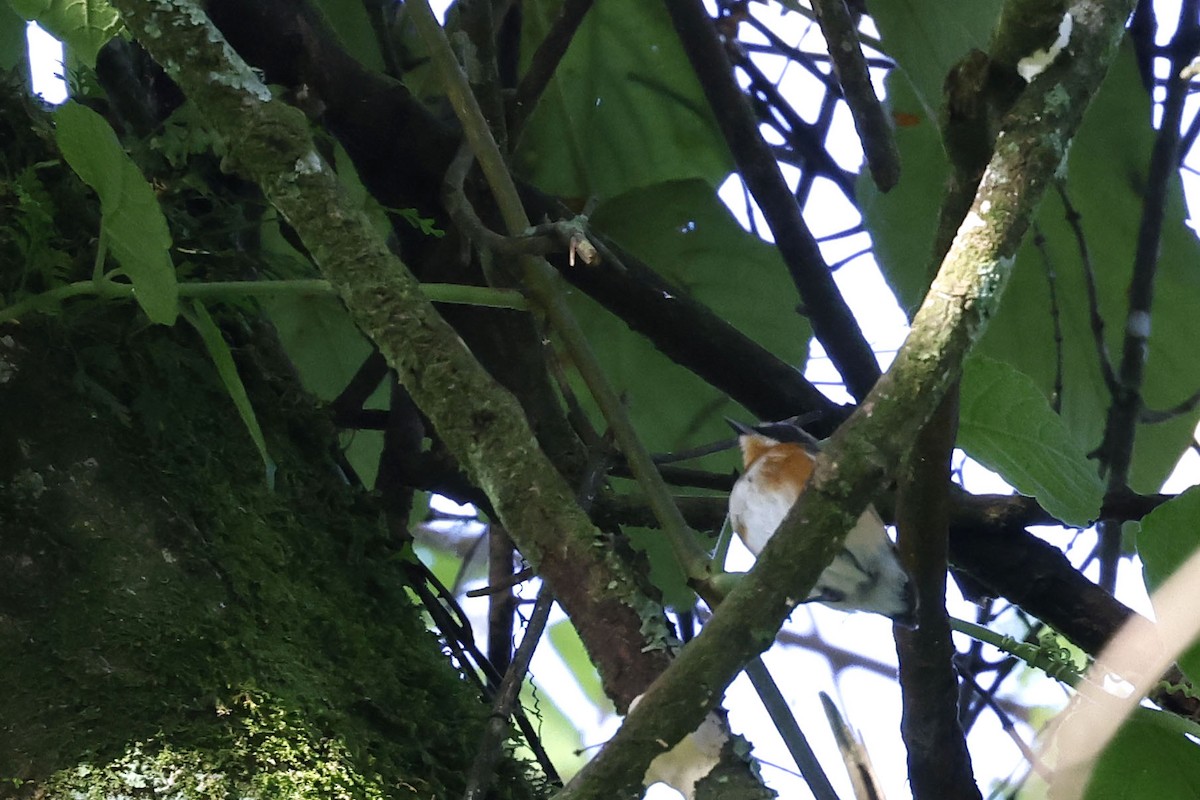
x=102 y=287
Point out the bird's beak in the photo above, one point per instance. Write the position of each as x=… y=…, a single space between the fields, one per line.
x=742 y=429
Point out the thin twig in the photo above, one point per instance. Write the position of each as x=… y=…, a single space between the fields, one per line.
x=1006 y=724
x=1039 y=241
x=806 y=141
x=443 y=609
x=1121 y=425
x=785 y=722
x=808 y=177
x=489 y=751
x=1075 y=220
x=870 y=120
x=568 y=236
x=1150 y=416
x=501 y=602
x=490 y=743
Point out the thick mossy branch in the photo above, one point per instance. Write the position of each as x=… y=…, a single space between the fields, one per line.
x=269 y=142
x=869 y=447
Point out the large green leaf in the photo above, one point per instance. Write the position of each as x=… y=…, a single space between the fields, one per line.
x=84 y=26
x=13 y=46
x=350 y=21
x=320 y=339
x=1008 y=426
x=1150 y=757
x=624 y=109
x=688 y=235
x=927 y=37
x=135 y=230
x=1167 y=537
x=1107 y=170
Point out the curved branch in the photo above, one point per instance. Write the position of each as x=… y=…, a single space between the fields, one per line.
x=869 y=446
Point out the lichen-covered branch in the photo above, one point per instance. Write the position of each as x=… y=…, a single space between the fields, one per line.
x=270 y=143
x=869 y=446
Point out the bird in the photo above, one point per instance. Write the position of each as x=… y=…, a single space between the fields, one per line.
x=778 y=459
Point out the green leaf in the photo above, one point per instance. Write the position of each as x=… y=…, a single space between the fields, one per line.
x=570 y=649
x=624 y=108
x=1107 y=171
x=928 y=37
x=689 y=236
x=135 y=230
x=1167 y=537
x=1007 y=425
x=1150 y=757
x=218 y=350
x=14 y=48
x=350 y=22
x=84 y=26
x=665 y=572
x=320 y=339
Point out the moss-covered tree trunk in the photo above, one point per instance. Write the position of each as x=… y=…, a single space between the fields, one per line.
x=169 y=626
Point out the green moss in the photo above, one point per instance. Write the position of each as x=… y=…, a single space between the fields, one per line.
x=169 y=619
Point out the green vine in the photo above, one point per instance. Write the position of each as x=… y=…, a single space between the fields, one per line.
x=1048 y=655
x=104 y=287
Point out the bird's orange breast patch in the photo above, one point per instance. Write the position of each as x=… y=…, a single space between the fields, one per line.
x=779 y=466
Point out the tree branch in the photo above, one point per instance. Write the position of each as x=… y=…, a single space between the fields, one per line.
x=1119 y=431
x=401 y=152
x=833 y=323
x=870 y=120
x=543 y=284
x=870 y=445
x=271 y=144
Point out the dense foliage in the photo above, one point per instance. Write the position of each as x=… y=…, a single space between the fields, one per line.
x=241 y=347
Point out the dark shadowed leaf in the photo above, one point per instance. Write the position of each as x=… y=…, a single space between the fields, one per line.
x=624 y=109
x=684 y=232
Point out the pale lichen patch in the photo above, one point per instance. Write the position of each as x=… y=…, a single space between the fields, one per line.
x=1036 y=62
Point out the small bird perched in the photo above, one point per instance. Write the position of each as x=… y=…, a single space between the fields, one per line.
x=778 y=459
